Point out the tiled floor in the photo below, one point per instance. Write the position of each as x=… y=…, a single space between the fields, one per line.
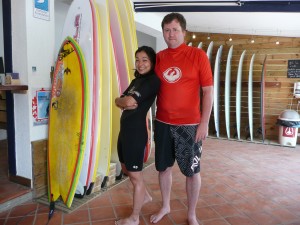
x=242 y=184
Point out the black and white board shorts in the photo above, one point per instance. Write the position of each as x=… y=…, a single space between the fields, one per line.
x=177 y=142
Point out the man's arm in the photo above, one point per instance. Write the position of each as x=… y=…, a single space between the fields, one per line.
x=207 y=102
x=126 y=103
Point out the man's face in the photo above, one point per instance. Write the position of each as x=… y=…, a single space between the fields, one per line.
x=173 y=34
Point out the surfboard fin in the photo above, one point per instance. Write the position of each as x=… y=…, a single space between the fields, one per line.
x=79 y=195
x=90 y=189
x=119 y=177
x=51 y=210
x=103 y=184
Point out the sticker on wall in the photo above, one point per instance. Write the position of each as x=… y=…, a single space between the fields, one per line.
x=40 y=107
x=41 y=9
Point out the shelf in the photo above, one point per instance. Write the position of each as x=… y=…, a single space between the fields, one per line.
x=13 y=87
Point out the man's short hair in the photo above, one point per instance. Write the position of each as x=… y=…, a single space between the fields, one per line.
x=174 y=16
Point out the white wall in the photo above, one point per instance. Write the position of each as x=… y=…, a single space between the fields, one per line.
x=61 y=10
x=150 y=25
x=146 y=39
x=32 y=45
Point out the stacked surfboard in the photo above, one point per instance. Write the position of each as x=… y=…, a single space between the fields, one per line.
x=94 y=65
x=237 y=95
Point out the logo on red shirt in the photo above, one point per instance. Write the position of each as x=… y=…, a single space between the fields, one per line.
x=172 y=74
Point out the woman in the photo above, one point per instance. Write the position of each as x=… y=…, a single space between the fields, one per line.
x=136 y=101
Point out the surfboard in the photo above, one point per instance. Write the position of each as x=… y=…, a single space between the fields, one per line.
x=97 y=103
x=250 y=97
x=262 y=99
x=79 y=25
x=106 y=97
x=239 y=95
x=119 y=44
x=217 y=90
x=227 y=91
x=116 y=114
x=209 y=50
x=129 y=33
x=200 y=45
x=119 y=70
x=68 y=122
x=130 y=11
x=148 y=147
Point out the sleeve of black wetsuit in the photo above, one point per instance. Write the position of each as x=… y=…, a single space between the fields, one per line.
x=125 y=93
x=148 y=88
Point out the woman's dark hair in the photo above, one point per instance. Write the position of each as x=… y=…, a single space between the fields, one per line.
x=174 y=16
x=150 y=53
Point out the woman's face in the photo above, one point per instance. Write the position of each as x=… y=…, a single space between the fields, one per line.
x=142 y=62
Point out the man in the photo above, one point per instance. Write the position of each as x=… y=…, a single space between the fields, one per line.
x=180 y=127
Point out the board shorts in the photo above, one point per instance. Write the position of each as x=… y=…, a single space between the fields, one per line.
x=177 y=142
x=131 y=148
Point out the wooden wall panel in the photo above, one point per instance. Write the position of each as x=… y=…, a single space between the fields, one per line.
x=278 y=88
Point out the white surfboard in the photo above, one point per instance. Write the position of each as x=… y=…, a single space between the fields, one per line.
x=209 y=50
x=227 y=91
x=217 y=90
x=104 y=146
x=79 y=25
x=250 y=97
x=200 y=45
x=96 y=106
x=239 y=95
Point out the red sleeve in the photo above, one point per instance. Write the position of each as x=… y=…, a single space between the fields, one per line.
x=206 y=77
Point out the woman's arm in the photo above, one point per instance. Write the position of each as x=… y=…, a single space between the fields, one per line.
x=126 y=103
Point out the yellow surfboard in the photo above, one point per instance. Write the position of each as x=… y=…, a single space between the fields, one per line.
x=68 y=122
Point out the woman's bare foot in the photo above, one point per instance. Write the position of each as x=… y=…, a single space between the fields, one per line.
x=158 y=216
x=193 y=221
x=127 y=221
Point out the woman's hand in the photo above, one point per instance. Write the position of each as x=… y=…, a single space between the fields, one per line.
x=126 y=103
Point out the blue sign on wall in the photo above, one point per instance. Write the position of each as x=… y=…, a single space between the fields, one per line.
x=41 y=9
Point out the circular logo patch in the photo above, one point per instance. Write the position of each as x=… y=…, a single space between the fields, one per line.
x=172 y=74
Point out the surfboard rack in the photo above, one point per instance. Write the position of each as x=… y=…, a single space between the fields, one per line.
x=257 y=84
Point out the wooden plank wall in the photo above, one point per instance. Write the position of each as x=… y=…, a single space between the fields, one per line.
x=2 y=109
x=278 y=89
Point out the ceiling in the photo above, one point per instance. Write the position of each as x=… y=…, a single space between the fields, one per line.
x=273 y=18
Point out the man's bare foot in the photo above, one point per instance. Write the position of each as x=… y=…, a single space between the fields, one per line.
x=193 y=221
x=158 y=216
x=127 y=221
